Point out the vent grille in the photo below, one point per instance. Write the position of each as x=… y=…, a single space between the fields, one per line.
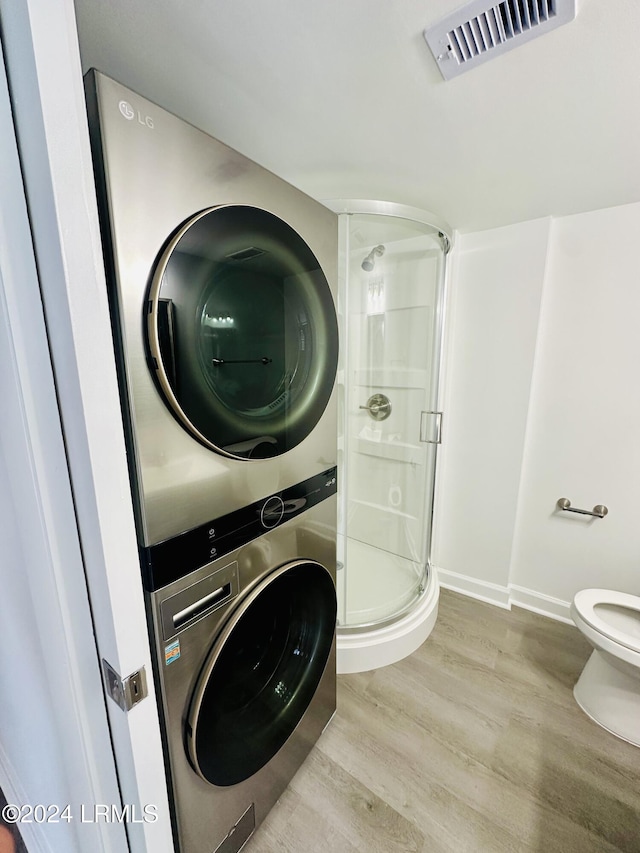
x=479 y=32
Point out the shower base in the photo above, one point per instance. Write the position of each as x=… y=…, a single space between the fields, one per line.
x=377 y=585
x=383 y=584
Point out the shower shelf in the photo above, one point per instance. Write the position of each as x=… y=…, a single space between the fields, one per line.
x=389 y=377
x=394 y=451
x=354 y=503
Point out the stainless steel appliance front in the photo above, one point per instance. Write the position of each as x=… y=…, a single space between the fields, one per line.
x=222 y=282
x=245 y=651
x=222 y=285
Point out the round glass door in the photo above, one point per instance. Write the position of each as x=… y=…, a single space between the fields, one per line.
x=261 y=673
x=242 y=332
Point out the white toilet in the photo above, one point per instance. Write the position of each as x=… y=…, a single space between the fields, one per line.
x=609 y=688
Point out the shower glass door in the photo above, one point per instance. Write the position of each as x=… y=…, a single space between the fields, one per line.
x=391 y=309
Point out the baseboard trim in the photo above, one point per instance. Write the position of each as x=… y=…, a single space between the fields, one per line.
x=540 y=603
x=506 y=596
x=492 y=593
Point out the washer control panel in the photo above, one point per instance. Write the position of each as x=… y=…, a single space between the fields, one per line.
x=272 y=512
x=174 y=558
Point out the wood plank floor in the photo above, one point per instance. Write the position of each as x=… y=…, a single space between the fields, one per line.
x=474 y=744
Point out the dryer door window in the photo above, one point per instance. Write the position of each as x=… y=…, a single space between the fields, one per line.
x=242 y=332
x=261 y=673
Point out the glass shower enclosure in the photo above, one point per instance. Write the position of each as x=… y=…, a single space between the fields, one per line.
x=391 y=313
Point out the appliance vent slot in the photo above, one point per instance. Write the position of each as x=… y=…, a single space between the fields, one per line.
x=479 y=31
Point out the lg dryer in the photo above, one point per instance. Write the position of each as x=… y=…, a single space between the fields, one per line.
x=223 y=279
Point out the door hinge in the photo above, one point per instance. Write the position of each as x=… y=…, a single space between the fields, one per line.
x=431 y=427
x=125 y=692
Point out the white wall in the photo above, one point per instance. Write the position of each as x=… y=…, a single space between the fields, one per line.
x=584 y=420
x=496 y=287
x=543 y=402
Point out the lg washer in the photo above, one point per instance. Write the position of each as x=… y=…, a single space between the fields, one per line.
x=222 y=281
x=246 y=652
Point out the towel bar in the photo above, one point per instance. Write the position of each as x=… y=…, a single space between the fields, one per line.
x=599 y=511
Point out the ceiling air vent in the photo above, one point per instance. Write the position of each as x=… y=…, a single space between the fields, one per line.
x=478 y=31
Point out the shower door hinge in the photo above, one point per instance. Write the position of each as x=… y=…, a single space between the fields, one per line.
x=125 y=692
x=431 y=427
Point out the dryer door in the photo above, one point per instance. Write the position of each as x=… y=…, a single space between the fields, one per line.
x=242 y=332
x=261 y=673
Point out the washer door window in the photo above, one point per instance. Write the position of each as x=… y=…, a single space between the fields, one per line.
x=242 y=332
x=261 y=673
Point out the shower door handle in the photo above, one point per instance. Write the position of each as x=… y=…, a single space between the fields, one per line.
x=431 y=427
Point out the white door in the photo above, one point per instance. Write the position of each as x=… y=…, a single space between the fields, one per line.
x=72 y=535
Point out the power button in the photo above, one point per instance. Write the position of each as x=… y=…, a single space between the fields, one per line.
x=272 y=512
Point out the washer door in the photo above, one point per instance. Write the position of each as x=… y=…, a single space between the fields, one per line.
x=261 y=673
x=242 y=332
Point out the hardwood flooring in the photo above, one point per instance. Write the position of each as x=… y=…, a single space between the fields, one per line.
x=474 y=744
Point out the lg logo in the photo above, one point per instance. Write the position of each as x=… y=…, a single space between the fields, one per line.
x=126 y=109
x=130 y=114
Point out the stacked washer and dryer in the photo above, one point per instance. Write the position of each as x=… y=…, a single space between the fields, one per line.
x=222 y=281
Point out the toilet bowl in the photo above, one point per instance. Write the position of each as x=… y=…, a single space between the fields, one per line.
x=608 y=689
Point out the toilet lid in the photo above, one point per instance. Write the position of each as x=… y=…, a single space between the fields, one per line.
x=614 y=614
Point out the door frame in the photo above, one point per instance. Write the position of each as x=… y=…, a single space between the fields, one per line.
x=72 y=436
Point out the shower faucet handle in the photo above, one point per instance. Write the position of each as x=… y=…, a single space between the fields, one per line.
x=378 y=406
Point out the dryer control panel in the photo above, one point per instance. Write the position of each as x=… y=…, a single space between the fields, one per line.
x=179 y=556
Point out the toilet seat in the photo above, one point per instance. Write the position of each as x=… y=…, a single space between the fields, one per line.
x=585 y=603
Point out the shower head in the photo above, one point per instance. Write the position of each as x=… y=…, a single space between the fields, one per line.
x=370 y=261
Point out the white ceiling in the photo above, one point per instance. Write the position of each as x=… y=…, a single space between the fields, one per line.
x=343 y=99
